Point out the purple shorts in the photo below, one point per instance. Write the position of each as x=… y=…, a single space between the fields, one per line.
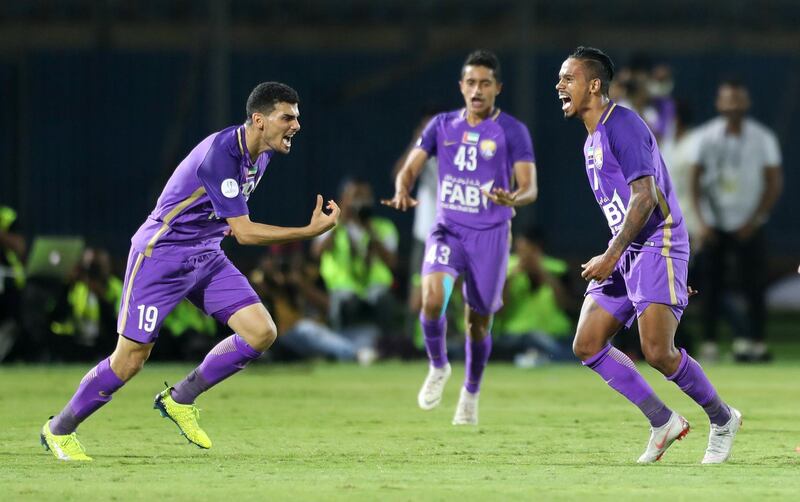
x=481 y=255
x=639 y=279
x=153 y=287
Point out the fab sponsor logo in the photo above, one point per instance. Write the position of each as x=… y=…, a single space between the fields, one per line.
x=614 y=211
x=463 y=194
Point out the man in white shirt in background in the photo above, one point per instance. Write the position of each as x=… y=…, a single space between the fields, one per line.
x=679 y=151
x=736 y=181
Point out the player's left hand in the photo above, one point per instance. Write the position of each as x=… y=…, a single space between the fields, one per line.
x=322 y=222
x=501 y=197
x=599 y=267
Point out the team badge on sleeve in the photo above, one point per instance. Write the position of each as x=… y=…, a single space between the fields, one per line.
x=229 y=188
x=488 y=149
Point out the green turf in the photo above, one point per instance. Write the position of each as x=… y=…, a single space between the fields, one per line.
x=347 y=433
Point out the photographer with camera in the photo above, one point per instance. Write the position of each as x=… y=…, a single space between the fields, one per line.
x=88 y=308
x=357 y=263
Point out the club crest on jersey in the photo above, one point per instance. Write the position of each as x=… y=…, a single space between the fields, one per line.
x=598 y=158
x=488 y=148
x=470 y=138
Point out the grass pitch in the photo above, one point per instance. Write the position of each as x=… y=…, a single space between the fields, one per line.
x=338 y=432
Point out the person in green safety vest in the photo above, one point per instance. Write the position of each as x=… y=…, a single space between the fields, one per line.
x=12 y=277
x=89 y=309
x=189 y=334
x=534 y=325
x=357 y=261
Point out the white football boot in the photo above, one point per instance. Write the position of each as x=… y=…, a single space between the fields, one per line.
x=467 y=408
x=662 y=437
x=430 y=395
x=720 y=439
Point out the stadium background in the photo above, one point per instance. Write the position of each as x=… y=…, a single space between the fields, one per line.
x=102 y=99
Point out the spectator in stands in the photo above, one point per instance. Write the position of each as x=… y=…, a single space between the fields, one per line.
x=88 y=310
x=186 y=334
x=680 y=153
x=357 y=262
x=736 y=182
x=12 y=278
x=534 y=324
x=292 y=288
x=647 y=89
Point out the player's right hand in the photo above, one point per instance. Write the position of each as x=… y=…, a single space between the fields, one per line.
x=401 y=200
x=321 y=222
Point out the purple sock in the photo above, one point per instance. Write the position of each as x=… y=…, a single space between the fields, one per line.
x=435 y=340
x=477 y=355
x=693 y=381
x=228 y=357
x=621 y=374
x=93 y=392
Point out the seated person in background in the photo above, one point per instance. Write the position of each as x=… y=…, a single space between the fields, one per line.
x=12 y=278
x=190 y=334
x=357 y=263
x=534 y=325
x=88 y=308
x=291 y=286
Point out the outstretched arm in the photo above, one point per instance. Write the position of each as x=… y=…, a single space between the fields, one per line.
x=404 y=182
x=527 y=189
x=644 y=200
x=251 y=233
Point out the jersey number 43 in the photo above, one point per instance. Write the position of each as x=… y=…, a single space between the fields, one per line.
x=438 y=252
x=466 y=158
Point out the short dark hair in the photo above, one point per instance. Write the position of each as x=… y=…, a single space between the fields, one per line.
x=532 y=233
x=487 y=59
x=266 y=95
x=733 y=81
x=598 y=63
x=352 y=180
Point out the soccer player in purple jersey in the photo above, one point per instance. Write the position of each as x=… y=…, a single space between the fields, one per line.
x=643 y=272
x=481 y=151
x=176 y=254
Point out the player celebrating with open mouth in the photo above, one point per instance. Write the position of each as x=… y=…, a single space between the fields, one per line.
x=643 y=272
x=176 y=254
x=480 y=151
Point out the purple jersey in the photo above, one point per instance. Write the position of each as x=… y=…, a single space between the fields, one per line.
x=621 y=150
x=472 y=159
x=212 y=183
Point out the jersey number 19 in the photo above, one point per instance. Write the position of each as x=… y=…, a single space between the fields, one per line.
x=148 y=317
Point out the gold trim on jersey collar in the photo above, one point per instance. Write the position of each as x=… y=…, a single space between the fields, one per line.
x=608 y=113
x=239 y=139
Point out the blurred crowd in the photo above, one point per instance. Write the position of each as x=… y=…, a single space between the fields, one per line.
x=350 y=296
